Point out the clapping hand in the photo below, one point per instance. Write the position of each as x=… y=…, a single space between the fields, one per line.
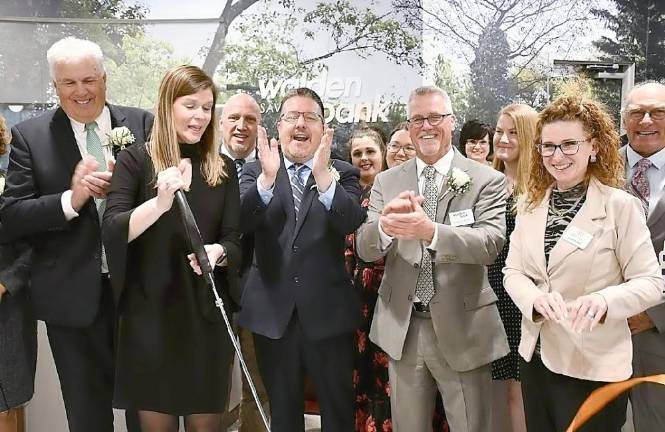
x=215 y=252
x=268 y=157
x=80 y=190
x=404 y=218
x=98 y=182
x=321 y=162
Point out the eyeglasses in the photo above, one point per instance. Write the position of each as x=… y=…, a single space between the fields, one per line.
x=473 y=143
x=293 y=116
x=568 y=147
x=638 y=114
x=394 y=147
x=433 y=119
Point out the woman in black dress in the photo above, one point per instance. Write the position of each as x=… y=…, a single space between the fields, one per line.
x=174 y=356
x=515 y=134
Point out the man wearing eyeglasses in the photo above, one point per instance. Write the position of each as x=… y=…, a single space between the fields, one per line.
x=299 y=301
x=644 y=120
x=438 y=220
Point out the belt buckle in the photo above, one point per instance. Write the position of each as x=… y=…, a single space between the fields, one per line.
x=420 y=307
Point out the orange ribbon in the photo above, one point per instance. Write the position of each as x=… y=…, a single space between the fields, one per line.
x=604 y=395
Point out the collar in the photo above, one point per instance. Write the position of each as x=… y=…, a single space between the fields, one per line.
x=288 y=163
x=442 y=166
x=657 y=159
x=103 y=122
x=249 y=158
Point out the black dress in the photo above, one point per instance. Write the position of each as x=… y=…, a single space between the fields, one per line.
x=173 y=353
x=507 y=367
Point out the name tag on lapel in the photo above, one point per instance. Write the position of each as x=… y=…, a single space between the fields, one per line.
x=462 y=217
x=577 y=237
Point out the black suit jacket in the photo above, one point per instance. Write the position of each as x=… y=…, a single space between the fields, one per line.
x=66 y=263
x=300 y=266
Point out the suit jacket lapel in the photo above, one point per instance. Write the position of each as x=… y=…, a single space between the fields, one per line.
x=446 y=195
x=585 y=219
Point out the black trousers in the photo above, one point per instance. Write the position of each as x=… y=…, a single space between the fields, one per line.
x=84 y=359
x=283 y=364
x=551 y=401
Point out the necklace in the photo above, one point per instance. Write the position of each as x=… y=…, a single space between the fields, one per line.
x=560 y=212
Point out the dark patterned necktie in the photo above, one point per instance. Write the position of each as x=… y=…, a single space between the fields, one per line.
x=239 y=163
x=297 y=186
x=640 y=182
x=425 y=283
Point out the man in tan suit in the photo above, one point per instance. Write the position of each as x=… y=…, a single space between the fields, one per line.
x=436 y=315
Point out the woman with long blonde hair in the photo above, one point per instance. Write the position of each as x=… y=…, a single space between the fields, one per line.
x=174 y=355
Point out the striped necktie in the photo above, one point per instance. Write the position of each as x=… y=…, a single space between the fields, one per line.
x=297 y=186
x=94 y=148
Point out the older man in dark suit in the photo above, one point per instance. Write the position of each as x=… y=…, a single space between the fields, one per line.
x=298 y=300
x=59 y=171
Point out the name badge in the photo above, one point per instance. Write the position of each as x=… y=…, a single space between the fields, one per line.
x=462 y=217
x=577 y=237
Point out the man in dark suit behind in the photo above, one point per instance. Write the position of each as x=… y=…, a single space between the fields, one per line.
x=298 y=300
x=59 y=171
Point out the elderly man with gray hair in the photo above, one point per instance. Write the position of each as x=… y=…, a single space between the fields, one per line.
x=59 y=170
x=439 y=220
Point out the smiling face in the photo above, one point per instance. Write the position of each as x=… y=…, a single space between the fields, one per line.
x=406 y=150
x=239 y=124
x=192 y=114
x=479 y=149
x=366 y=155
x=81 y=87
x=506 y=144
x=300 y=140
x=431 y=141
x=646 y=135
x=567 y=170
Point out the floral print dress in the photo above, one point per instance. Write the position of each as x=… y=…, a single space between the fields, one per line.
x=370 y=374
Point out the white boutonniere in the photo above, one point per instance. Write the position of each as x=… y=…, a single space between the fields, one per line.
x=458 y=181
x=333 y=172
x=120 y=137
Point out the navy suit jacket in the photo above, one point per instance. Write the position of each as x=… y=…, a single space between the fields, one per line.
x=300 y=265
x=66 y=263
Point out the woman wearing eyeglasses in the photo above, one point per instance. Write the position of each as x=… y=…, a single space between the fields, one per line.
x=580 y=263
x=399 y=148
x=513 y=138
x=475 y=141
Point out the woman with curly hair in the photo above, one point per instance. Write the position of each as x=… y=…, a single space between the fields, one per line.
x=580 y=263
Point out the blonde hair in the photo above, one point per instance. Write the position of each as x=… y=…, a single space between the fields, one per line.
x=163 y=146
x=524 y=118
x=5 y=136
x=609 y=165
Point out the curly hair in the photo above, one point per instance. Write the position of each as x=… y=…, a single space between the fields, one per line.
x=5 y=136
x=609 y=165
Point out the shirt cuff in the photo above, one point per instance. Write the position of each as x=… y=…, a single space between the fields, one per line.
x=435 y=237
x=265 y=194
x=67 y=209
x=384 y=239
x=326 y=197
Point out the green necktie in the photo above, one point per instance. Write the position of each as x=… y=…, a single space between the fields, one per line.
x=94 y=147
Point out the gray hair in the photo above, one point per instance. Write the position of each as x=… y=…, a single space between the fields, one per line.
x=71 y=49
x=430 y=90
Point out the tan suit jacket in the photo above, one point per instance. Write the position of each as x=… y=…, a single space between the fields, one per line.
x=464 y=314
x=618 y=263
